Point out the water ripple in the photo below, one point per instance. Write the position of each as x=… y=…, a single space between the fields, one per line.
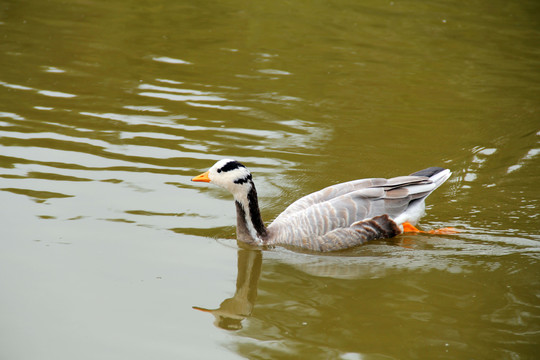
x=50 y=93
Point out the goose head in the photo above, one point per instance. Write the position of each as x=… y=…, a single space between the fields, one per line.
x=230 y=175
x=236 y=178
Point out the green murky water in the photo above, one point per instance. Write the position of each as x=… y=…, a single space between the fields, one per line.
x=107 y=109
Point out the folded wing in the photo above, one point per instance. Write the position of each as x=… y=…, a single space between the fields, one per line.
x=334 y=210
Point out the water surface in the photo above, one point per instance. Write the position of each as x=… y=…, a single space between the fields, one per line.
x=107 y=110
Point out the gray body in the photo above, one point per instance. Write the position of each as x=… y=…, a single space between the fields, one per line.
x=335 y=218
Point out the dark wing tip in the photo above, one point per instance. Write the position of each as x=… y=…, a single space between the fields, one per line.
x=429 y=172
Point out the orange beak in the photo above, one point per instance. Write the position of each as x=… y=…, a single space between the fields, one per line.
x=201 y=309
x=203 y=177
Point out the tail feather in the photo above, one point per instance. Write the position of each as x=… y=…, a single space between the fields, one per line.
x=437 y=175
x=415 y=210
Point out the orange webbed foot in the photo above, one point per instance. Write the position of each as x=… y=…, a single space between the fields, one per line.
x=408 y=227
x=444 y=231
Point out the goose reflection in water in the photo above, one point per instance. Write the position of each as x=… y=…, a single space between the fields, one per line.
x=233 y=310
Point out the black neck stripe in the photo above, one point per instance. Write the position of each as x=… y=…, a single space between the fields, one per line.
x=254 y=212
x=243 y=180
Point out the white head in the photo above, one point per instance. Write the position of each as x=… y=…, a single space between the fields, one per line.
x=233 y=176
x=228 y=174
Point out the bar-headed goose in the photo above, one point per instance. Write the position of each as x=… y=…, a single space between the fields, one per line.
x=334 y=218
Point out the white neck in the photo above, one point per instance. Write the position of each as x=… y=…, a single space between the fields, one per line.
x=250 y=227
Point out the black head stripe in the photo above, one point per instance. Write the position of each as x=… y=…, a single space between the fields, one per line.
x=231 y=165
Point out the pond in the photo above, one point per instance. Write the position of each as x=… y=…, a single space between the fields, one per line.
x=108 y=109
